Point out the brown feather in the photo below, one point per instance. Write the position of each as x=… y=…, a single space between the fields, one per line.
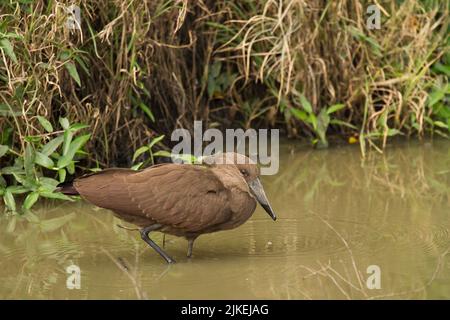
x=187 y=200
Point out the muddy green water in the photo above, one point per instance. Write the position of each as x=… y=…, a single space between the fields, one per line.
x=341 y=220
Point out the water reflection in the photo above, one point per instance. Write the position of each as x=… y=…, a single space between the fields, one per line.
x=338 y=216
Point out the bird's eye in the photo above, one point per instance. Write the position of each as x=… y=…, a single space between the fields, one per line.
x=244 y=172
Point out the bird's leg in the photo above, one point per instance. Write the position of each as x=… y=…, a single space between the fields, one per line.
x=164 y=240
x=190 y=246
x=144 y=235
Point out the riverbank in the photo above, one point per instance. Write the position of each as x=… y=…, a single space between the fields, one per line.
x=110 y=90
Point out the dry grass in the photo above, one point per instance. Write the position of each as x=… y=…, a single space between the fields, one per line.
x=323 y=49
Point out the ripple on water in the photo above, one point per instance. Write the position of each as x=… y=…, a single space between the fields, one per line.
x=286 y=238
x=310 y=236
x=257 y=238
x=429 y=240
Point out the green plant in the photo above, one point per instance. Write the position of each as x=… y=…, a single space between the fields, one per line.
x=44 y=163
x=140 y=69
x=147 y=149
x=382 y=76
x=219 y=80
x=318 y=123
x=439 y=106
x=438 y=102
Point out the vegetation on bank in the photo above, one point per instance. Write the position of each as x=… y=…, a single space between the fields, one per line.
x=136 y=70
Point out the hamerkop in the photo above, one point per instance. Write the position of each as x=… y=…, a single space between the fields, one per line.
x=179 y=199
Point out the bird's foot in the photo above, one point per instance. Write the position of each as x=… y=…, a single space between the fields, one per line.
x=144 y=235
x=190 y=247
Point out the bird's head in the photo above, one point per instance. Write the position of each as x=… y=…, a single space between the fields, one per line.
x=249 y=170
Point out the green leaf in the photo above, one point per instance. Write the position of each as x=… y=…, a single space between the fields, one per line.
x=374 y=45
x=78 y=143
x=435 y=96
x=74 y=146
x=78 y=126
x=362 y=143
x=162 y=153
x=82 y=153
x=9 y=200
x=323 y=120
x=211 y=87
x=82 y=65
x=147 y=111
x=29 y=160
x=65 y=55
x=335 y=107
x=64 y=161
x=47 y=184
x=442 y=68
x=64 y=122
x=440 y=124
x=54 y=195
x=30 y=200
x=7 y=47
x=45 y=124
x=313 y=120
x=299 y=114
x=62 y=175
x=137 y=166
x=18 y=162
x=305 y=104
x=215 y=69
x=187 y=158
x=393 y=132
x=3 y=150
x=68 y=135
x=6 y=111
x=43 y=160
x=17 y=189
x=140 y=151
x=52 y=145
x=12 y=170
x=27 y=182
x=70 y=66
x=342 y=123
x=155 y=141
x=71 y=167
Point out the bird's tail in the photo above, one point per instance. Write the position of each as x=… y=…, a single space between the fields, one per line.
x=67 y=188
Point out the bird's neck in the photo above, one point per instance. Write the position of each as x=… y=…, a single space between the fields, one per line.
x=230 y=177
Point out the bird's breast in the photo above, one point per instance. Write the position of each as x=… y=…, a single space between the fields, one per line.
x=242 y=206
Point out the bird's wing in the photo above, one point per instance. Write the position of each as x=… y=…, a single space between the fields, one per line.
x=107 y=189
x=183 y=196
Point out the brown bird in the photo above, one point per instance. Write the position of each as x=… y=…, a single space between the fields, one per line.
x=179 y=199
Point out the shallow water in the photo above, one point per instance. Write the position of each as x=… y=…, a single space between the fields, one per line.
x=338 y=216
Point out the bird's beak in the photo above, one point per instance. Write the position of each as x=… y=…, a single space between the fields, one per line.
x=258 y=191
